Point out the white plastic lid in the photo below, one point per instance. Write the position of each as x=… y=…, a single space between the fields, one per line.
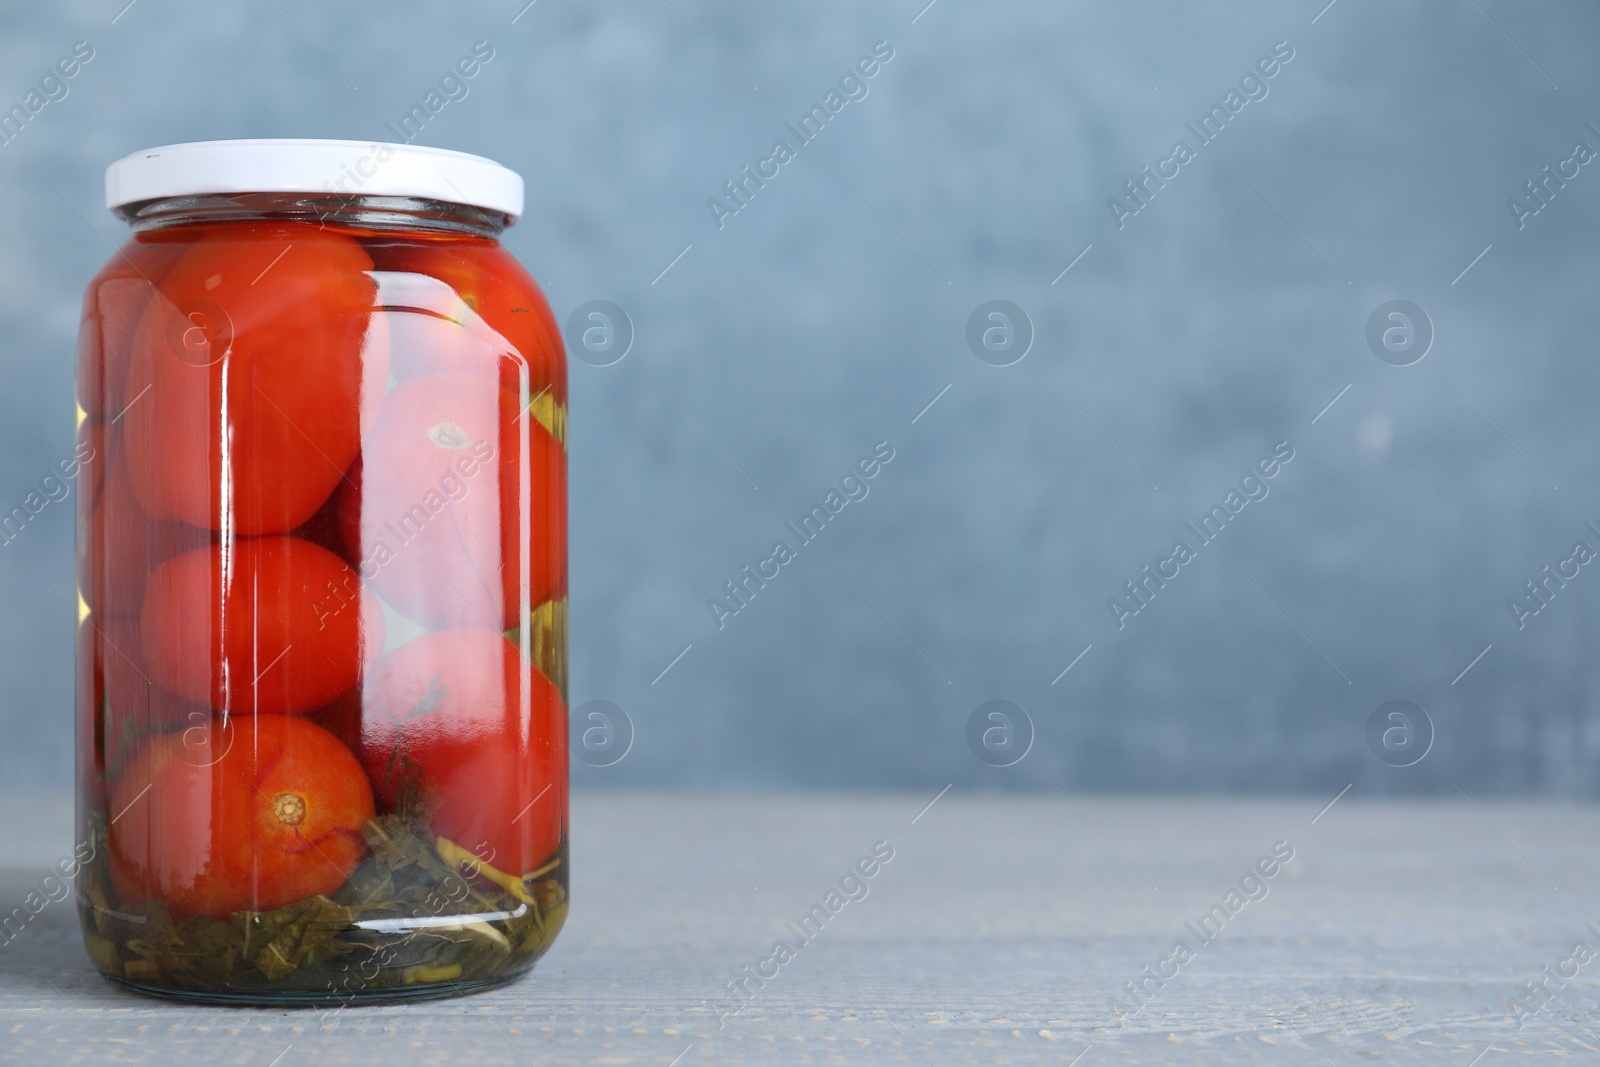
x=286 y=165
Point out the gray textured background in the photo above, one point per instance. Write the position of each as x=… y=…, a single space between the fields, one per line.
x=829 y=312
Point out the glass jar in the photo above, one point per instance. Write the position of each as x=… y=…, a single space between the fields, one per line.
x=322 y=579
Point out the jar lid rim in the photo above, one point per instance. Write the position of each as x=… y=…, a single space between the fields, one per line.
x=303 y=165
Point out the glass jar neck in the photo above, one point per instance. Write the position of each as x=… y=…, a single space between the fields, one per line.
x=397 y=213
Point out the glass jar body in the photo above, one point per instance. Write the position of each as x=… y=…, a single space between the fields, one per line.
x=322 y=599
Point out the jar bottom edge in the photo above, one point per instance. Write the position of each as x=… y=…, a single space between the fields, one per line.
x=298 y=998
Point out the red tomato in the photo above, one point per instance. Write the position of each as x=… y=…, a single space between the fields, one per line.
x=111 y=308
x=458 y=723
x=121 y=545
x=263 y=362
x=248 y=814
x=435 y=512
x=270 y=625
x=489 y=298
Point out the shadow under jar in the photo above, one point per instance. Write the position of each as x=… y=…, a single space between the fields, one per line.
x=322 y=578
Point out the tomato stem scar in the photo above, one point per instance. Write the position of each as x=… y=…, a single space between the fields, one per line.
x=448 y=435
x=290 y=808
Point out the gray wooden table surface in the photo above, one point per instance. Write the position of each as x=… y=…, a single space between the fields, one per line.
x=1000 y=932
